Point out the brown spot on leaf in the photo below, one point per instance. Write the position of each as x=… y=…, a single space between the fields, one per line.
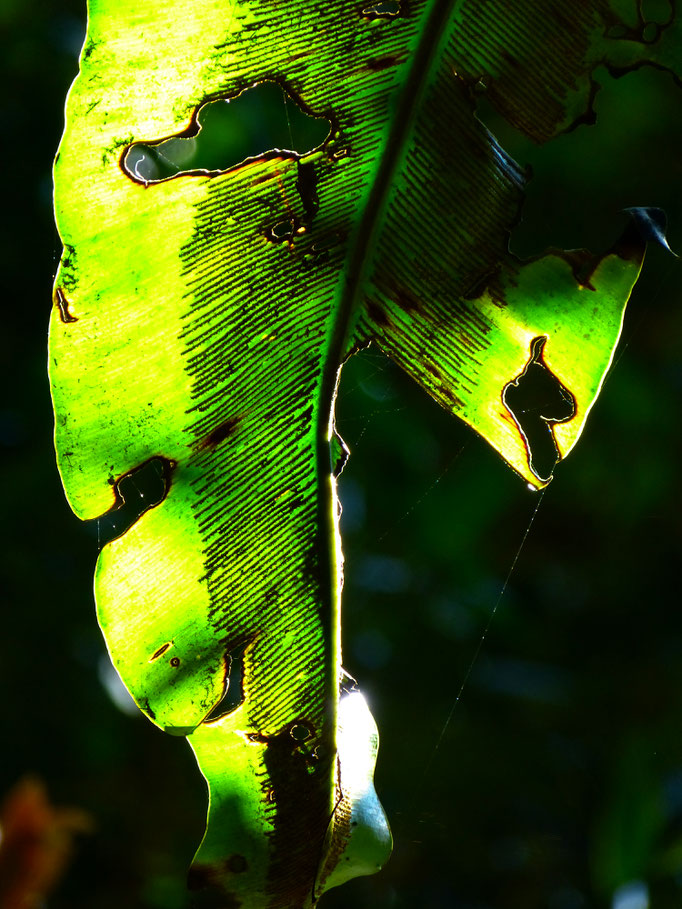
x=221 y=432
x=377 y=64
x=377 y=314
x=402 y=296
x=582 y=263
x=236 y=864
x=489 y=278
x=63 y=304
x=160 y=651
x=206 y=881
x=630 y=247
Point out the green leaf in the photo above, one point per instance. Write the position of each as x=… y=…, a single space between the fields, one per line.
x=200 y=324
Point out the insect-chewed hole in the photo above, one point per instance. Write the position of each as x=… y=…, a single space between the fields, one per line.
x=283 y=230
x=233 y=692
x=299 y=732
x=136 y=492
x=536 y=399
x=261 y=120
x=386 y=9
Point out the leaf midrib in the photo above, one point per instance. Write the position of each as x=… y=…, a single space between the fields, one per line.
x=430 y=45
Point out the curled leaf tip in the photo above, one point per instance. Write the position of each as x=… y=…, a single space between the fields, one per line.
x=652 y=224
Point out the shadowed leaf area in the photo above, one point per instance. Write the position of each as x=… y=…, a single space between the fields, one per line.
x=222 y=261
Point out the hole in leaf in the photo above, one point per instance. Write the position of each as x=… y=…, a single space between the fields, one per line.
x=233 y=692
x=283 y=230
x=136 y=492
x=384 y=10
x=261 y=120
x=537 y=399
x=299 y=732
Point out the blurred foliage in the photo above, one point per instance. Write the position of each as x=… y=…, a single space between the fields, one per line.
x=36 y=844
x=557 y=782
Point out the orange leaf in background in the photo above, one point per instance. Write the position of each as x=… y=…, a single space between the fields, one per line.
x=36 y=844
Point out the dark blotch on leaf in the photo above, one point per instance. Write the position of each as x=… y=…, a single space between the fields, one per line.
x=306 y=184
x=236 y=864
x=179 y=731
x=377 y=314
x=207 y=892
x=378 y=64
x=339 y=454
x=401 y=296
x=300 y=806
x=220 y=433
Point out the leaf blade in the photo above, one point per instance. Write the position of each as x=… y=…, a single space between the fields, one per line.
x=236 y=371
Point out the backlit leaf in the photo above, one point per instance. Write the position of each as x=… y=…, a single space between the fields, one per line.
x=203 y=312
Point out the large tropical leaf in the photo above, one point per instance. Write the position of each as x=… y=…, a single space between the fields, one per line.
x=200 y=324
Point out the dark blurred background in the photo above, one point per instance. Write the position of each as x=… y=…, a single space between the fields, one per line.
x=557 y=782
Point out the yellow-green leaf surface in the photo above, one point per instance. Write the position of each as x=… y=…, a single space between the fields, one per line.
x=191 y=332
